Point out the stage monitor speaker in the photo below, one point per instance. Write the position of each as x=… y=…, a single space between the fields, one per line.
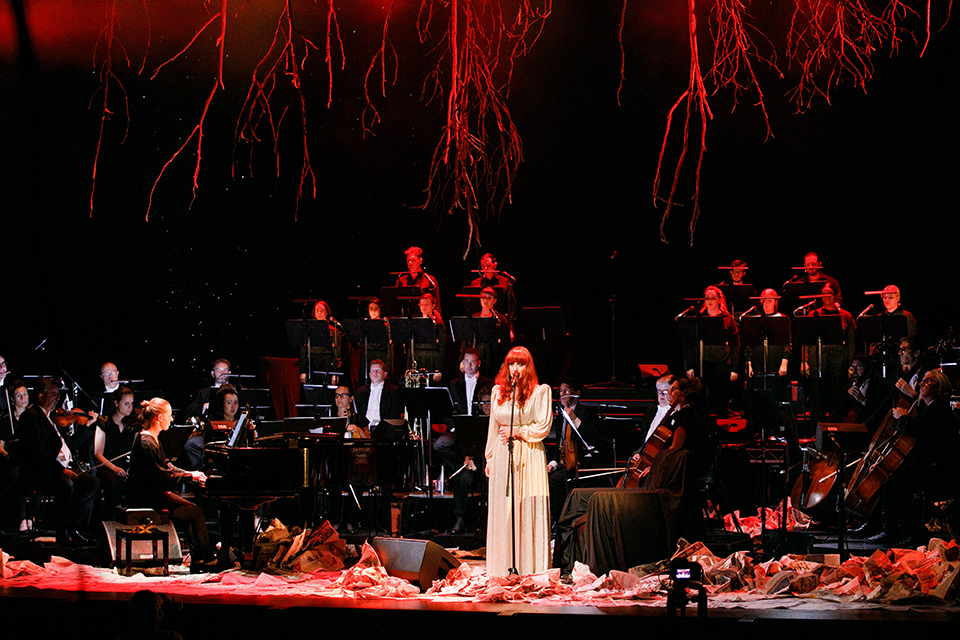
x=142 y=549
x=419 y=561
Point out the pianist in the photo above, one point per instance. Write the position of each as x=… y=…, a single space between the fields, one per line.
x=153 y=482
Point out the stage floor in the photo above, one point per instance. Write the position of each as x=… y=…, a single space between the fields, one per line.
x=92 y=601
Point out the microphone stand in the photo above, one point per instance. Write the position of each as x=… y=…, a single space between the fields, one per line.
x=511 y=486
x=6 y=392
x=75 y=387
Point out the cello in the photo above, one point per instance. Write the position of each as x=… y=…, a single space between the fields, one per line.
x=657 y=442
x=888 y=448
x=886 y=452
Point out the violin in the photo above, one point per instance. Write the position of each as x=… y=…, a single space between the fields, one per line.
x=65 y=417
x=134 y=420
x=567 y=444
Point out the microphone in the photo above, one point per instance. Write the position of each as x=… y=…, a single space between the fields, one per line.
x=865 y=311
x=507 y=276
x=40 y=346
x=686 y=311
x=514 y=377
x=748 y=311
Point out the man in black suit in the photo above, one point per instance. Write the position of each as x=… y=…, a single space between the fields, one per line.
x=192 y=456
x=45 y=461
x=466 y=391
x=587 y=422
x=379 y=407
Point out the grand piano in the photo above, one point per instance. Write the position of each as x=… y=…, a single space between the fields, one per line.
x=279 y=465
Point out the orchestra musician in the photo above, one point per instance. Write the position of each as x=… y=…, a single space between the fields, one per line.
x=225 y=404
x=3 y=376
x=466 y=391
x=836 y=357
x=153 y=482
x=113 y=441
x=655 y=414
x=929 y=466
x=46 y=463
x=192 y=456
x=685 y=422
x=867 y=396
x=10 y=499
x=379 y=407
x=519 y=411
x=719 y=361
x=913 y=366
x=415 y=276
x=587 y=422
x=491 y=276
x=323 y=357
x=110 y=378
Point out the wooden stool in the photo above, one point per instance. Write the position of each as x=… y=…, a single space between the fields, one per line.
x=153 y=536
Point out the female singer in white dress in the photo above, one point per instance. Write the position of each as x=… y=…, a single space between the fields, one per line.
x=531 y=424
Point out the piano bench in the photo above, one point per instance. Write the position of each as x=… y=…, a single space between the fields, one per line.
x=128 y=536
x=129 y=516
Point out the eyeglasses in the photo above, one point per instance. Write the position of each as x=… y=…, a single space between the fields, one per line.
x=344 y=395
x=663 y=392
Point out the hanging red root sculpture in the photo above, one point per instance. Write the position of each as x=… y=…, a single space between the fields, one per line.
x=280 y=65
x=197 y=131
x=479 y=152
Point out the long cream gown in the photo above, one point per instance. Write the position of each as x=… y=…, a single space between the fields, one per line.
x=533 y=494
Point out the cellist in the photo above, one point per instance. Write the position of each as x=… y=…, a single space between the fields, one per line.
x=683 y=425
x=928 y=466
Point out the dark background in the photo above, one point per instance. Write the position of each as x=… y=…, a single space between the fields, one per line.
x=868 y=181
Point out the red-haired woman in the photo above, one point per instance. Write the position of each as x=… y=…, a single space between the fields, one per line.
x=531 y=419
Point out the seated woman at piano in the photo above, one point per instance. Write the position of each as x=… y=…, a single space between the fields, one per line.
x=153 y=482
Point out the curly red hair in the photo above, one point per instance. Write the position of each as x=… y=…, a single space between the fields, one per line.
x=528 y=380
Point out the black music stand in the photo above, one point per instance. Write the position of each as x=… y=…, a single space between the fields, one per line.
x=430 y=403
x=395 y=301
x=738 y=297
x=471 y=299
x=704 y=330
x=372 y=331
x=461 y=330
x=815 y=332
x=304 y=333
x=470 y=434
x=765 y=331
x=880 y=329
x=842 y=438
x=793 y=291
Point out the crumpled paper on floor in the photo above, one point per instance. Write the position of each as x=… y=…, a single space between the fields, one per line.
x=292 y=551
x=752 y=525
